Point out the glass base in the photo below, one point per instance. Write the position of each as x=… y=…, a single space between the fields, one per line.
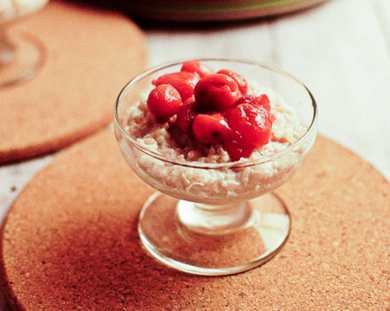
x=21 y=57
x=213 y=240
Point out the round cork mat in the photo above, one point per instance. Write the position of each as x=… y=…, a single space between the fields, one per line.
x=70 y=241
x=89 y=55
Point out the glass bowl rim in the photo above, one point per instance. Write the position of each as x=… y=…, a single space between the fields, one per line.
x=205 y=165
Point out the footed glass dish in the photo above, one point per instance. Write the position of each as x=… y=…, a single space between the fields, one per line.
x=21 y=54
x=216 y=218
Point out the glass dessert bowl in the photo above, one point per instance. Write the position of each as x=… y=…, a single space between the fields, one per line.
x=21 y=54
x=214 y=212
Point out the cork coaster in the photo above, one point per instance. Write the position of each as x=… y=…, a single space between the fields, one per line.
x=90 y=54
x=70 y=242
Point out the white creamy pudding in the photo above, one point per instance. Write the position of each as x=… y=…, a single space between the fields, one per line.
x=214 y=185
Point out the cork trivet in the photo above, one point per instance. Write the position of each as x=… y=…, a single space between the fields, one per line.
x=70 y=241
x=90 y=53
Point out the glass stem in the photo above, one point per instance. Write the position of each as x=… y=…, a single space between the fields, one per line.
x=7 y=49
x=213 y=219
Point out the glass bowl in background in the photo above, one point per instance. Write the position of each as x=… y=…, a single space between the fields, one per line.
x=213 y=10
x=216 y=218
x=21 y=54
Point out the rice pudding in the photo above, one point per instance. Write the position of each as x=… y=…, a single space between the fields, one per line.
x=238 y=155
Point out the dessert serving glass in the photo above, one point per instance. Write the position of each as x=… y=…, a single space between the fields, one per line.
x=21 y=54
x=216 y=218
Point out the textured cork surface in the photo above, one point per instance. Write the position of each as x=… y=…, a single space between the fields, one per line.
x=70 y=242
x=90 y=54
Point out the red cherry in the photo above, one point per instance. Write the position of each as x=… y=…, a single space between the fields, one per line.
x=247 y=99
x=211 y=129
x=242 y=84
x=195 y=67
x=235 y=150
x=262 y=101
x=253 y=125
x=184 y=82
x=185 y=116
x=216 y=92
x=164 y=101
x=258 y=101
